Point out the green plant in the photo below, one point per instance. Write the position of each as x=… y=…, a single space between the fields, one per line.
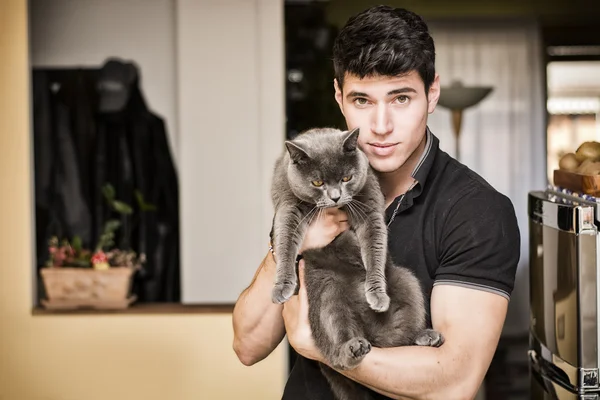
x=105 y=254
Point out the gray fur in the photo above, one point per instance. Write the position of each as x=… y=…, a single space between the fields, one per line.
x=328 y=155
x=357 y=297
x=344 y=327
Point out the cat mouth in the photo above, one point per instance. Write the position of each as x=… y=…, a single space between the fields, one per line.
x=339 y=204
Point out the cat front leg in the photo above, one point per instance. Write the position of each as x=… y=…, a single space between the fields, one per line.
x=372 y=236
x=289 y=228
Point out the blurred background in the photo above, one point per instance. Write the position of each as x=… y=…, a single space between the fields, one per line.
x=188 y=102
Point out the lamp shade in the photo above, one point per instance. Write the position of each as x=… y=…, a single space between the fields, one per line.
x=458 y=97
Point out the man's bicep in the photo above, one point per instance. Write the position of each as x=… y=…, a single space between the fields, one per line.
x=471 y=321
x=480 y=244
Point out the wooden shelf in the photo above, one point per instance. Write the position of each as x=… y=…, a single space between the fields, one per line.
x=145 y=309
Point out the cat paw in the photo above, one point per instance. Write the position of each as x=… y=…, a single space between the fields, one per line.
x=378 y=301
x=282 y=292
x=430 y=338
x=352 y=353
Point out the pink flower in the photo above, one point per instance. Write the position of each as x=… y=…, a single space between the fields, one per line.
x=99 y=257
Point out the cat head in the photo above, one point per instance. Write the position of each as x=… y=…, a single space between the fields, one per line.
x=326 y=167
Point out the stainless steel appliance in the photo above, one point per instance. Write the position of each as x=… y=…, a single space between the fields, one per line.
x=564 y=300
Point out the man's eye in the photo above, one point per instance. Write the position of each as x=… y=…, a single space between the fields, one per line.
x=360 y=101
x=402 y=99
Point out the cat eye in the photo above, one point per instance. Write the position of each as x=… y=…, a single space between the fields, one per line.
x=346 y=178
x=317 y=183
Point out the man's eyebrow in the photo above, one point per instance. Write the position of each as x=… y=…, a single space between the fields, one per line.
x=402 y=90
x=356 y=94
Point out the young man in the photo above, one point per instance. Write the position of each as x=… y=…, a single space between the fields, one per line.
x=456 y=232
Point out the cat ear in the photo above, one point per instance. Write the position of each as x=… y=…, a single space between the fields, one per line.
x=297 y=153
x=351 y=140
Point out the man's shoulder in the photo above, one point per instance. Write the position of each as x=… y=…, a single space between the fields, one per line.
x=462 y=186
x=478 y=237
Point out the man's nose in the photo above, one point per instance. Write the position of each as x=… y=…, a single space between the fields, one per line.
x=382 y=122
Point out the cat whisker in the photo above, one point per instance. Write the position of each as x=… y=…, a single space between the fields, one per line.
x=354 y=213
x=320 y=213
x=314 y=214
x=358 y=211
x=361 y=204
x=308 y=214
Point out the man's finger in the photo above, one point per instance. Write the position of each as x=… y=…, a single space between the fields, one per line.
x=301 y=276
x=343 y=226
x=331 y=211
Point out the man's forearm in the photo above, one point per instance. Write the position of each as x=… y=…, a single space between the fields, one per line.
x=411 y=372
x=257 y=321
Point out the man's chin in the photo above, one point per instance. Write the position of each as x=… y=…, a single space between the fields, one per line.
x=386 y=167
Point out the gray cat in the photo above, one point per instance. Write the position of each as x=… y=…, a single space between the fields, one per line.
x=347 y=281
x=324 y=168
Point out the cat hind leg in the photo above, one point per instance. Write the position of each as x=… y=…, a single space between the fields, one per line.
x=351 y=353
x=429 y=337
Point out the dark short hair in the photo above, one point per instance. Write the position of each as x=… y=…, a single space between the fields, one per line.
x=384 y=41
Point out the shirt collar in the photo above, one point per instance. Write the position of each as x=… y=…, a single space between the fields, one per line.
x=419 y=174
x=421 y=171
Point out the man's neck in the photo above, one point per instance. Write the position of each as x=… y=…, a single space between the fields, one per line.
x=395 y=183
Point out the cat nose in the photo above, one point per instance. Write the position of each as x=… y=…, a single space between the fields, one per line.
x=334 y=194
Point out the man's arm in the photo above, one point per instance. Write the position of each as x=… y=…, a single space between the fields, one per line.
x=479 y=252
x=471 y=321
x=257 y=322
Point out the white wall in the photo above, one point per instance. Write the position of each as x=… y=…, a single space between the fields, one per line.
x=215 y=71
x=231 y=102
x=86 y=32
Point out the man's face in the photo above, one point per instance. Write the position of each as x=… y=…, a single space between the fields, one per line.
x=391 y=113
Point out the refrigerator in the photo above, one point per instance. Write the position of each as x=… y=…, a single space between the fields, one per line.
x=564 y=295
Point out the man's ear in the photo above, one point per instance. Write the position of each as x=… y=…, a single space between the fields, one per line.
x=297 y=153
x=338 y=95
x=434 y=94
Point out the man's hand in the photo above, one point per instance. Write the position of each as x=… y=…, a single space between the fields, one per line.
x=297 y=327
x=324 y=228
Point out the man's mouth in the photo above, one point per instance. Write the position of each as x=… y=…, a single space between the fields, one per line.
x=383 y=149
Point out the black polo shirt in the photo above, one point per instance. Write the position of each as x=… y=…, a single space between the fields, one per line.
x=451 y=228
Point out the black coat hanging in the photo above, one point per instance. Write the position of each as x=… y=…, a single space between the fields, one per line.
x=99 y=118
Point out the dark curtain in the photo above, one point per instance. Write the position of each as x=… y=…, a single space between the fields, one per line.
x=310 y=99
x=78 y=148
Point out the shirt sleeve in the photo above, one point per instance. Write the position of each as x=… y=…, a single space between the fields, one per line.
x=480 y=244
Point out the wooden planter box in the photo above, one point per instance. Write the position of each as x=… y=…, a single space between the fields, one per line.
x=71 y=288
